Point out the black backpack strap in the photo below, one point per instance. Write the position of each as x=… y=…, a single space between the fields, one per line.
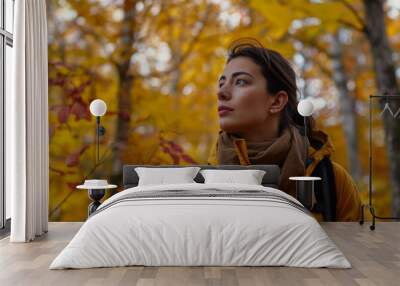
x=325 y=190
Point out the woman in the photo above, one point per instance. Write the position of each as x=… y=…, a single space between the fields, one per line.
x=257 y=107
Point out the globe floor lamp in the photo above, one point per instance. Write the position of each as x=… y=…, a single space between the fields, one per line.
x=98 y=108
x=96 y=188
x=305 y=184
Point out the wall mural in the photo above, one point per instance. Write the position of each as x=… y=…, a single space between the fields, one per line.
x=158 y=67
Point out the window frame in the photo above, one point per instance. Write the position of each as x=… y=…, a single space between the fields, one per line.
x=6 y=39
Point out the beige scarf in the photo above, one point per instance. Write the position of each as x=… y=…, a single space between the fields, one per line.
x=288 y=151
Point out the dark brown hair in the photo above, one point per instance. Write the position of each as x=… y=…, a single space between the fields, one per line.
x=279 y=76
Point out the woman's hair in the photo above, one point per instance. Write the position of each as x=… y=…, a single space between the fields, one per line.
x=279 y=76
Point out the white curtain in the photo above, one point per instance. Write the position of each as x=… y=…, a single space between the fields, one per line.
x=27 y=124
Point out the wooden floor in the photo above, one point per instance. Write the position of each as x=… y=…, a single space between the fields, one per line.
x=374 y=255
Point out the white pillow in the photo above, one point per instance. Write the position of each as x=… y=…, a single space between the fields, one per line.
x=162 y=176
x=249 y=177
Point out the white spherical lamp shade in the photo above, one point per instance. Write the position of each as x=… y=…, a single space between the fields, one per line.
x=98 y=107
x=305 y=107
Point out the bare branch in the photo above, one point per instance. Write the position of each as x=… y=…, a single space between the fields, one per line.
x=352 y=26
x=353 y=10
x=60 y=172
x=71 y=192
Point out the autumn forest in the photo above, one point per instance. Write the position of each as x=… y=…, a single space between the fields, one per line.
x=156 y=64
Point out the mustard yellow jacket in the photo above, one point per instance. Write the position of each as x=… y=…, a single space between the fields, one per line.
x=348 y=203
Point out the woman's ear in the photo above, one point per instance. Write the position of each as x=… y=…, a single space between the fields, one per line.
x=279 y=101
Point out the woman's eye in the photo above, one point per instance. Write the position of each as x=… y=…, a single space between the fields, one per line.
x=220 y=84
x=241 y=82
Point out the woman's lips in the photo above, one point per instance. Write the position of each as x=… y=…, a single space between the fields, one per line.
x=223 y=110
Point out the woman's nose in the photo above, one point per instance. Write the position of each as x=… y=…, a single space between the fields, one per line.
x=224 y=93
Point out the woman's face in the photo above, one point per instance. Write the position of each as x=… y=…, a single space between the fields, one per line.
x=243 y=101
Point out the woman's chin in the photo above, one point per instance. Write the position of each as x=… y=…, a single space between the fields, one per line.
x=229 y=126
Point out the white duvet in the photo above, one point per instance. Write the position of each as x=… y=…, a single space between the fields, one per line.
x=200 y=231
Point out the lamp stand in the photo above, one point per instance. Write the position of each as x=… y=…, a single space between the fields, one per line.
x=100 y=131
x=97 y=139
x=305 y=135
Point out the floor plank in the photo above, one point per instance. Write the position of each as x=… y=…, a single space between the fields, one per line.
x=374 y=255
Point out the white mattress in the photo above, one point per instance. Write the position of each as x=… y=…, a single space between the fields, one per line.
x=189 y=231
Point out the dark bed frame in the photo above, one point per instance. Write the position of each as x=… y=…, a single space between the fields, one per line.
x=270 y=179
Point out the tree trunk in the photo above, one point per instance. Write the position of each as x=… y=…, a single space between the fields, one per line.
x=385 y=77
x=124 y=107
x=347 y=106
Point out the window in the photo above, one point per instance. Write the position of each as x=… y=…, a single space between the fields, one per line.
x=6 y=63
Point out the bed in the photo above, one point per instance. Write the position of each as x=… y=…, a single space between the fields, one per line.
x=201 y=224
